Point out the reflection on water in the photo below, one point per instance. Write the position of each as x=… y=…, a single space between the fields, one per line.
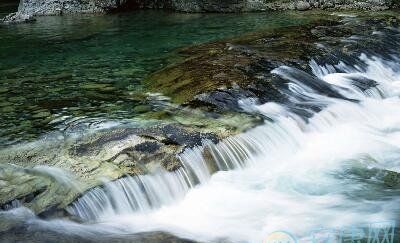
x=8 y=6
x=60 y=68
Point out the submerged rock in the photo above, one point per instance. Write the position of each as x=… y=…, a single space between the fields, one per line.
x=18 y=17
x=302 y=5
x=217 y=75
x=392 y=179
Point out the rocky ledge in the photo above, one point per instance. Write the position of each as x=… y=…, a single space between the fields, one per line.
x=32 y=179
x=28 y=9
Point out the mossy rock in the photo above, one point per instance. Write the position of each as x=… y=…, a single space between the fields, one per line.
x=234 y=62
x=392 y=179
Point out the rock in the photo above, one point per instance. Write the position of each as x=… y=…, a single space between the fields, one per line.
x=245 y=63
x=302 y=5
x=18 y=17
x=391 y=179
x=41 y=114
x=142 y=108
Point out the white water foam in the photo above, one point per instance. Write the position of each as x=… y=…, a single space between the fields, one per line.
x=289 y=174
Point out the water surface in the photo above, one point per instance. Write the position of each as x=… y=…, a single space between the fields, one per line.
x=61 y=68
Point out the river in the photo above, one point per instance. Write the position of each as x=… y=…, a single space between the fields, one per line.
x=320 y=165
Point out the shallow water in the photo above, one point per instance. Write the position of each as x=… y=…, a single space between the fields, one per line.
x=61 y=68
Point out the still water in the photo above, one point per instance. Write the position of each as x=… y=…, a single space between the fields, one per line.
x=59 y=69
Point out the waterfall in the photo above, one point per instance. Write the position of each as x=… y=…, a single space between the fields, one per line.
x=145 y=192
x=130 y=194
x=288 y=170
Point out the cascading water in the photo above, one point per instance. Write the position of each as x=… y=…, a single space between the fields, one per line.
x=321 y=159
x=291 y=173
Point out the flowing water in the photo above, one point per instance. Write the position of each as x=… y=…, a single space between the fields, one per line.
x=290 y=174
x=296 y=173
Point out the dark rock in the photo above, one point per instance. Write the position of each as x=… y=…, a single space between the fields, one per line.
x=148 y=147
x=392 y=179
x=224 y=99
x=179 y=136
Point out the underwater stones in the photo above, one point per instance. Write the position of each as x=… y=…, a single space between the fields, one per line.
x=60 y=76
x=5 y=104
x=41 y=114
x=142 y=108
x=100 y=87
x=302 y=5
x=149 y=147
x=3 y=90
x=222 y=99
x=7 y=109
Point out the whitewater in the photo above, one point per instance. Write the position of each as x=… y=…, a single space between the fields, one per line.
x=319 y=161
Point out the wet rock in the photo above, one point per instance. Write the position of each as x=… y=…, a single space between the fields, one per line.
x=392 y=179
x=302 y=5
x=49 y=174
x=142 y=108
x=3 y=90
x=18 y=17
x=36 y=190
x=41 y=114
x=101 y=87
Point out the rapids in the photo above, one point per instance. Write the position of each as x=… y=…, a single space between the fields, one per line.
x=319 y=161
x=292 y=173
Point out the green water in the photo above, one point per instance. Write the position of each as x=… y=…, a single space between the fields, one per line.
x=7 y=6
x=63 y=68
